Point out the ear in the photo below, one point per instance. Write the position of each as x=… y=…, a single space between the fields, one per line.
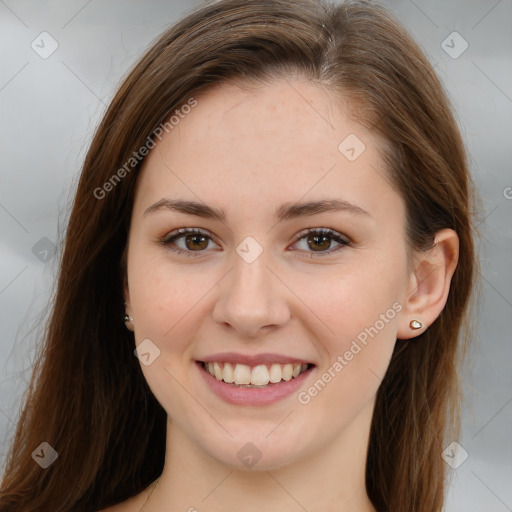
x=429 y=283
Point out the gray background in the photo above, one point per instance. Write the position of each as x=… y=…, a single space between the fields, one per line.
x=50 y=107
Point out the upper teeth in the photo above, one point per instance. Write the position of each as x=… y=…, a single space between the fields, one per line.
x=259 y=375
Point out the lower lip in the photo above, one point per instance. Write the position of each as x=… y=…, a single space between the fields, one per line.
x=253 y=396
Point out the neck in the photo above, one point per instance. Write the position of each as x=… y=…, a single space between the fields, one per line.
x=331 y=479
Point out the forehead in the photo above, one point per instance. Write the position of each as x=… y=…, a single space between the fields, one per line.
x=277 y=142
x=268 y=123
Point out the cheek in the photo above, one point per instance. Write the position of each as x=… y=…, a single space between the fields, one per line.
x=171 y=302
x=168 y=303
x=165 y=299
x=349 y=300
x=356 y=362
x=361 y=320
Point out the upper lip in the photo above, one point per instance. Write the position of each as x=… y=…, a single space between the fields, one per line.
x=254 y=360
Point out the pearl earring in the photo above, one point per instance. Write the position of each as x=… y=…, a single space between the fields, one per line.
x=415 y=324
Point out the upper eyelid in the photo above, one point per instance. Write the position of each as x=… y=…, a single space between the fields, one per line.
x=182 y=232
x=326 y=231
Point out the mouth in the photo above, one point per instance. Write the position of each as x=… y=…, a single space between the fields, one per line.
x=256 y=376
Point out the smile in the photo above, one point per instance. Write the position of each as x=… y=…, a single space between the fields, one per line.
x=254 y=376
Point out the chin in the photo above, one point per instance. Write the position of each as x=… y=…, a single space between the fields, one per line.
x=248 y=453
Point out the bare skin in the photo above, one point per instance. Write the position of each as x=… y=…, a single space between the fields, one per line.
x=248 y=152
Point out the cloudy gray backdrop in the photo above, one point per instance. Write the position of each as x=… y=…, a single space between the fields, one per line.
x=53 y=89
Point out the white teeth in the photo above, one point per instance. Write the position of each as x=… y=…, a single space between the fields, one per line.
x=260 y=375
x=218 y=371
x=275 y=373
x=287 y=371
x=228 y=374
x=242 y=374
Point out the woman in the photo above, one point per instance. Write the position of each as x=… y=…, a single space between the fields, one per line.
x=277 y=204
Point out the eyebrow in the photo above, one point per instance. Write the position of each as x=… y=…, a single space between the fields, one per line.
x=286 y=211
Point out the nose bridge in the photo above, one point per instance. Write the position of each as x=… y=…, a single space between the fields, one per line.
x=250 y=295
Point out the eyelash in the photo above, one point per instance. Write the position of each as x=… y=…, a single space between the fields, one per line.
x=181 y=233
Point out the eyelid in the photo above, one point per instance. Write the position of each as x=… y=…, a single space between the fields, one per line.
x=340 y=238
x=176 y=234
x=323 y=231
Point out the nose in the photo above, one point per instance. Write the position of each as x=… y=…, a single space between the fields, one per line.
x=251 y=298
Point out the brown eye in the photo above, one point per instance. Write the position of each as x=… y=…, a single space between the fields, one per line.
x=191 y=240
x=319 y=241
x=196 y=242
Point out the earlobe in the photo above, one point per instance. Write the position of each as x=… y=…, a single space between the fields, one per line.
x=429 y=284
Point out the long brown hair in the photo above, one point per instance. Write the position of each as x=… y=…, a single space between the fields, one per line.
x=88 y=398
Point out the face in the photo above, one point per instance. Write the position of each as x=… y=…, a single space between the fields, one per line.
x=268 y=286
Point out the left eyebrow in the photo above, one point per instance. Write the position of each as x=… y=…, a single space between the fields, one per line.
x=286 y=211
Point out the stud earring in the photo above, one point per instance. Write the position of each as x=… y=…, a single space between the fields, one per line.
x=415 y=324
x=128 y=319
